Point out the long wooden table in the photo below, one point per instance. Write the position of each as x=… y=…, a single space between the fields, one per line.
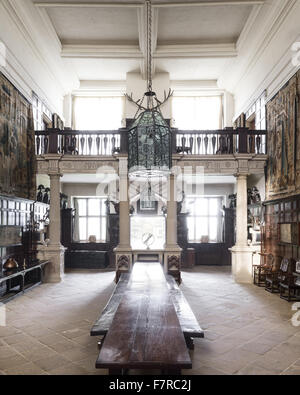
x=145 y=332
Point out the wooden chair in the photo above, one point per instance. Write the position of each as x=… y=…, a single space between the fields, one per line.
x=263 y=269
x=275 y=277
x=289 y=287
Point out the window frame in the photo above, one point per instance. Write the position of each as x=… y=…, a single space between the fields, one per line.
x=78 y=98
x=189 y=96
x=102 y=228
x=219 y=217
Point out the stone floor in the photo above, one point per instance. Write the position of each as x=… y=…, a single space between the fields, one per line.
x=247 y=330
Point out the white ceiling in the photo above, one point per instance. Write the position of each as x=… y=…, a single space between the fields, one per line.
x=201 y=24
x=105 y=41
x=97 y=25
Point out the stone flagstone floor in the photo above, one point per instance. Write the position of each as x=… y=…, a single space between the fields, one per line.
x=247 y=330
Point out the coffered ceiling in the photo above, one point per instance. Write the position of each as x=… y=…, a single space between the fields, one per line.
x=191 y=40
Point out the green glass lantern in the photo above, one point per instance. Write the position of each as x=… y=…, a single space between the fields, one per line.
x=149 y=136
x=149 y=144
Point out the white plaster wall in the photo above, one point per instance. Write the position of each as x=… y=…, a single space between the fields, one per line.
x=137 y=86
x=228 y=109
x=220 y=190
x=72 y=190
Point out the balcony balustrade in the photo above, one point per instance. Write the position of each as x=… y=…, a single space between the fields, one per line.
x=185 y=142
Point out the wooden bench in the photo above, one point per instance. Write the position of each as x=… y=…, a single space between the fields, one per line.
x=102 y=325
x=145 y=332
x=188 y=322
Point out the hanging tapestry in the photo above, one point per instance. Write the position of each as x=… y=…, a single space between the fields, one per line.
x=17 y=151
x=283 y=141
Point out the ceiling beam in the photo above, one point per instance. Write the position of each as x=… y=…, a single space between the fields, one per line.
x=208 y=3
x=161 y=52
x=76 y=4
x=196 y=51
x=101 y=51
x=155 y=5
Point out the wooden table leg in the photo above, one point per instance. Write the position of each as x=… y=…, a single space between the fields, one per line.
x=171 y=371
x=115 y=371
x=189 y=342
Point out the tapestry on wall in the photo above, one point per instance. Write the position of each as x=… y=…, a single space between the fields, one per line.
x=17 y=157
x=283 y=126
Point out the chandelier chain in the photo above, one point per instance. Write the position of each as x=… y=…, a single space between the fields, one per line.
x=149 y=44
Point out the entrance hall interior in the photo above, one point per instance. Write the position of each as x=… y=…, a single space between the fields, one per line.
x=149 y=187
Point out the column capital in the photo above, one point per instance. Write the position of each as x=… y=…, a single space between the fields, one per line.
x=54 y=174
x=241 y=175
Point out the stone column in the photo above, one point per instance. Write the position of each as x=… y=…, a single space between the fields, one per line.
x=241 y=210
x=241 y=253
x=54 y=251
x=172 y=254
x=123 y=252
x=54 y=225
x=172 y=214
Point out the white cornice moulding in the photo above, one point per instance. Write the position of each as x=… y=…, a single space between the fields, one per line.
x=100 y=88
x=44 y=46
x=101 y=51
x=244 y=35
x=162 y=51
x=196 y=51
x=21 y=79
x=88 y=4
x=251 y=50
x=276 y=79
x=194 y=88
x=48 y=24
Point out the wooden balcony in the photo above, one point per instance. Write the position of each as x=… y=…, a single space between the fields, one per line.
x=185 y=142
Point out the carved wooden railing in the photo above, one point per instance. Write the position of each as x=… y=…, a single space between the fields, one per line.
x=223 y=141
x=78 y=142
x=189 y=142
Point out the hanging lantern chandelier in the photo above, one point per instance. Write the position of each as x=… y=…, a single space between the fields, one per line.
x=149 y=136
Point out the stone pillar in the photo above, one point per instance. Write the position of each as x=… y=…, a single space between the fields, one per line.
x=54 y=250
x=123 y=252
x=241 y=253
x=241 y=210
x=172 y=214
x=54 y=225
x=172 y=254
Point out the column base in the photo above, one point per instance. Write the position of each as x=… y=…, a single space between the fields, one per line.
x=242 y=263
x=54 y=271
x=123 y=258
